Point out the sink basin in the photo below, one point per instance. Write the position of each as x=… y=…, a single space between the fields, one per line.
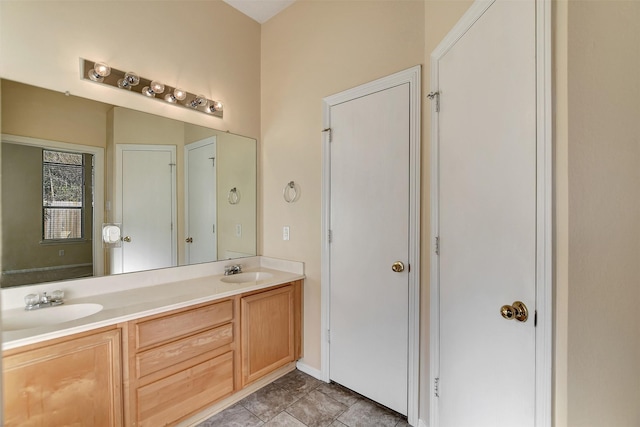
x=28 y=319
x=253 y=276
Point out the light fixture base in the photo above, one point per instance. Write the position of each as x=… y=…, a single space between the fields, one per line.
x=112 y=80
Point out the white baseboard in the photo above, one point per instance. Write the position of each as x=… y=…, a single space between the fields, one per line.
x=316 y=373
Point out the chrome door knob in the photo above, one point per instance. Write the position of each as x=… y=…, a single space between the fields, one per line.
x=127 y=239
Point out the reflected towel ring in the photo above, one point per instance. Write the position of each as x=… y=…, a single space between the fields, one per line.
x=234 y=196
x=290 y=192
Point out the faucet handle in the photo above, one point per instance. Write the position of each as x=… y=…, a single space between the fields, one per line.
x=57 y=297
x=31 y=300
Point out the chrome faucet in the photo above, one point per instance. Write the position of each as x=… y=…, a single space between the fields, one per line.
x=35 y=301
x=232 y=269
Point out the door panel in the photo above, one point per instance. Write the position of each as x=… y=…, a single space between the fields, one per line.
x=370 y=225
x=148 y=203
x=201 y=201
x=487 y=164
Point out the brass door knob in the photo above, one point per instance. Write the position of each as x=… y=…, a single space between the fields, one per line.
x=189 y=239
x=126 y=239
x=397 y=267
x=516 y=311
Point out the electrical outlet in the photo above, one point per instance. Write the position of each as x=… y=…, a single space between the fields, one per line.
x=285 y=232
x=61 y=252
x=238 y=230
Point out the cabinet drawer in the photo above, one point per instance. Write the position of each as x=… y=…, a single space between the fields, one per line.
x=158 y=358
x=177 y=396
x=170 y=327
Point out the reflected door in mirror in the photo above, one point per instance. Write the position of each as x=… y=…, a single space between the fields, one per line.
x=200 y=201
x=146 y=207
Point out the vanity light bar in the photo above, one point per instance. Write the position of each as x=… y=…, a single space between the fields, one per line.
x=97 y=72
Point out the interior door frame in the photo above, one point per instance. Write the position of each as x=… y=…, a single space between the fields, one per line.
x=544 y=210
x=98 y=186
x=411 y=76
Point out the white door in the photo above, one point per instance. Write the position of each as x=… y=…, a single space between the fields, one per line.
x=200 y=201
x=146 y=207
x=369 y=224
x=487 y=220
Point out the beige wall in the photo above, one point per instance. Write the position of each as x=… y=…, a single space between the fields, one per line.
x=603 y=93
x=314 y=49
x=44 y=114
x=317 y=48
x=203 y=46
x=308 y=53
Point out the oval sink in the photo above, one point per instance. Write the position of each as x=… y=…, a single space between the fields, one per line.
x=29 y=319
x=253 y=276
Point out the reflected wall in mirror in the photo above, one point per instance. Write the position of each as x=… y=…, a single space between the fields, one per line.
x=122 y=150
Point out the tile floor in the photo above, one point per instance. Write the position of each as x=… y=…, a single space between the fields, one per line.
x=298 y=400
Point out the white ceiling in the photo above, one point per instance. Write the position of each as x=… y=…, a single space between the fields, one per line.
x=260 y=10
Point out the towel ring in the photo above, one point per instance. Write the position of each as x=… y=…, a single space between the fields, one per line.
x=234 y=196
x=290 y=192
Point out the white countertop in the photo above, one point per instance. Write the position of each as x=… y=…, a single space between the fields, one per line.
x=130 y=302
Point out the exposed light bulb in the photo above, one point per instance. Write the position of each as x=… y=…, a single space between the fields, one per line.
x=129 y=80
x=214 y=106
x=99 y=72
x=148 y=92
x=198 y=101
x=123 y=84
x=180 y=94
x=156 y=86
x=132 y=78
x=101 y=68
x=175 y=96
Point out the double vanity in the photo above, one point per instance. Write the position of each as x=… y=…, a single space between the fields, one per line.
x=161 y=347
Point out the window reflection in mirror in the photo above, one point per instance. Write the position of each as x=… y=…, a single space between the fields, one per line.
x=31 y=115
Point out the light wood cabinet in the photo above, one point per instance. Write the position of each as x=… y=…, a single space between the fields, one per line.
x=74 y=380
x=270 y=330
x=180 y=362
x=157 y=370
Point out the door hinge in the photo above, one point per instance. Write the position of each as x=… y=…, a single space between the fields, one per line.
x=436 y=387
x=437 y=249
x=214 y=229
x=535 y=318
x=213 y=161
x=330 y=236
x=330 y=133
x=329 y=335
x=436 y=96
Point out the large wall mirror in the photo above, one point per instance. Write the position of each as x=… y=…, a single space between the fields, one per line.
x=90 y=189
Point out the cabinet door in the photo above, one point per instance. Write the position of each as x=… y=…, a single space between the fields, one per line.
x=75 y=381
x=267 y=331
